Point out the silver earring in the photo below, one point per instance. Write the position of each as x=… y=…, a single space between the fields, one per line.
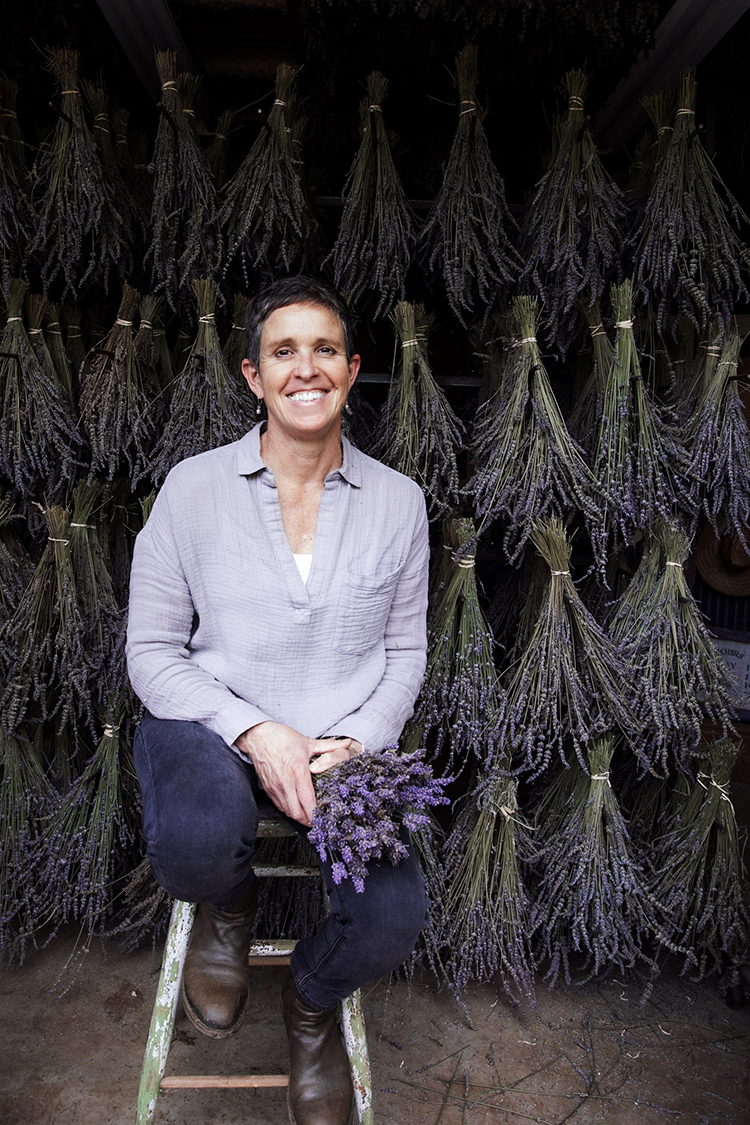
x=257 y=408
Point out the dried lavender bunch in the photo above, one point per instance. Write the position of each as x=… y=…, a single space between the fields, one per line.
x=571 y=685
x=235 y=346
x=718 y=441
x=359 y=422
x=115 y=413
x=587 y=409
x=689 y=257
x=269 y=225
x=90 y=834
x=40 y=447
x=698 y=871
x=186 y=241
x=16 y=568
x=56 y=344
x=79 y=237
x=376 y=238
x=461 y=698
x=75 y=349
x=591 y=896
x=571 y=236
x=681 y=676
x=36 y=309
x=363 y=806
x=209 y=404
x=466 y=236
x=16 y=214
x=136 y=178
x=420 y=435
x=216 y=154
x=139 y=910
x=27 y=800
x=640 y=464
x=483 y=917
x=151 y=353
x=528 y=465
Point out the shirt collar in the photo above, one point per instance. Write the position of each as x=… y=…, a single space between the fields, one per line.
x=249 y=460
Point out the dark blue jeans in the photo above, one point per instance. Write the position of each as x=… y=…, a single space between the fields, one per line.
x=200 y=818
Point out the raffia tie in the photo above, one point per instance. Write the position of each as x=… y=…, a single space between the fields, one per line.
x=51 y=540
x=670 y=563
x=624 y=324
x=598 y=330
x=374 y=109
x=279 y=102
x=409 y=343
x=466 y=562
x=728 y=363
x=681 y=111
x=560 y=573
x=64 y=92
x=722 y=788
x=664 y=129
x=91 y=526
x=146 y=324
x=169 y=85
x=111 y=731
x=472 y=107
x=124 y=323
x=34 y=331
x=575 y=102
x=207 y=319
x=527 y=340
x=10 y=318
x=602 y=777
x=506 y=813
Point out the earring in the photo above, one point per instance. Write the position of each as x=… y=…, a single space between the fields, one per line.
x=257 y=408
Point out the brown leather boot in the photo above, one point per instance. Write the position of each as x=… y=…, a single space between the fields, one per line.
x=215 y=980
x=320 y=1080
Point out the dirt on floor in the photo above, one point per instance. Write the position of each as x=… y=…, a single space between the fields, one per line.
x=586 y=1054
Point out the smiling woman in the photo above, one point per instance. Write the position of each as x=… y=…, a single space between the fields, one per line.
x=246 y=667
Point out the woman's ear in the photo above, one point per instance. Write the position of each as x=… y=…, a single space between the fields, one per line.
x=252 y=378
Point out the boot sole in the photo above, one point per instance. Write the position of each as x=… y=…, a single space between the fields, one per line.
x=353 y=1114
x=206 y=1028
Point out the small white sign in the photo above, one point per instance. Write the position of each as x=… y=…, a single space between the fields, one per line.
x=736 y=656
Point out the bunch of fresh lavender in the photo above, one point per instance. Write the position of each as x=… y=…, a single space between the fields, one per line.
x=151 y=353
x=587 y=409
x=718 y=442
x=590 y=898
x=689 y=257
x=36 y=308
x=461 y=698
x=210 y=405
x=376 y=236
x=115 y=413
x=269 y=225
x=16 y=215
x=364 y=804
x=466 y=234
x=681 y=675
x=56 y=344
x=40 y=447
x=639 y=463
x=186 y=238
x=528 y=465
x=698 y=871
x=79 y=236
x=482 y=921
x=571 y=683
x=571 y=236
x=420 y=435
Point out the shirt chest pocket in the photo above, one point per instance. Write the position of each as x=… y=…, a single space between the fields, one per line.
x=362 y=613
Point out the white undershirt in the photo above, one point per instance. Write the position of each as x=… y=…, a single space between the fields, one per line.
x=304 y=562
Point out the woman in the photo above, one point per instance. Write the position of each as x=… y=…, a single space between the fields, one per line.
x=277 y=627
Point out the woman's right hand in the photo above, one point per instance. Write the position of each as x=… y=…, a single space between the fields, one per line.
x=282 y=756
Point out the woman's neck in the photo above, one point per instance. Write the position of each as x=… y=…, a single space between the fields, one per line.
x=301 y=462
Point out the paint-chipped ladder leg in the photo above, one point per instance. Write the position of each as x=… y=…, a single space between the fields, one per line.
x=355 y=1038
x=165 y=1009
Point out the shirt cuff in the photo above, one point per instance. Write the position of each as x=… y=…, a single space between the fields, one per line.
x=234 y=719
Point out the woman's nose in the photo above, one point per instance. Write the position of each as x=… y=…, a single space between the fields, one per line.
x=305 y=362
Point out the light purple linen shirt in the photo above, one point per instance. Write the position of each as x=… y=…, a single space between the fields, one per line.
x=223 y=631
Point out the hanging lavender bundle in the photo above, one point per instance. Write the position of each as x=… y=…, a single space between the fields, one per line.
x=40 y=447
x=482 y=922
x=639 y=463
x=718 y=441
x=16 y=215
x=591 y=899
x=587 y=410
x=36 y=309
x=649 y=151
x=56 y=345
x=374 y=246
x=359 y=422
x=210 y=406
x=9 y=126
x=216 y=154
x=465 y=237
x=16 y=568
x=571 y=685
x=186 y=239
x=689 y=257
x=27 y=800
x=235 y=345
x=681 y=676
x=79 y=237
x=115 y=411
x=75 y=349
x=151 y=354
x=364 y=804
x=139 y=910
x=136 y=178
x=571 y=237
x=268 y=222
x=461 y=699
x=698 y=870
x=528 y=465
x=90 y=834
x=183 y=342
x=420 y=435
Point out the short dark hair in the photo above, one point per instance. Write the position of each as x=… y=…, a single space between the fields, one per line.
x=299 y=290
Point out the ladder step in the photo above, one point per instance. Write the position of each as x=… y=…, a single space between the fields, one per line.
x=285 y=870
x=222 y=1081
x=271 y=947
x=282 y=959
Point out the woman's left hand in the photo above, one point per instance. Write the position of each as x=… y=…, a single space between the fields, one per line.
x=325 y=760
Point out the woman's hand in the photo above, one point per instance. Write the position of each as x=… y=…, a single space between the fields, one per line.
x=282 y=758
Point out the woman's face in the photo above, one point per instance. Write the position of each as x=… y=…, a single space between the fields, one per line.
x=303 y=373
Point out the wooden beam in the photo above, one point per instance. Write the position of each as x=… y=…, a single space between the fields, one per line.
x=685 y=36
